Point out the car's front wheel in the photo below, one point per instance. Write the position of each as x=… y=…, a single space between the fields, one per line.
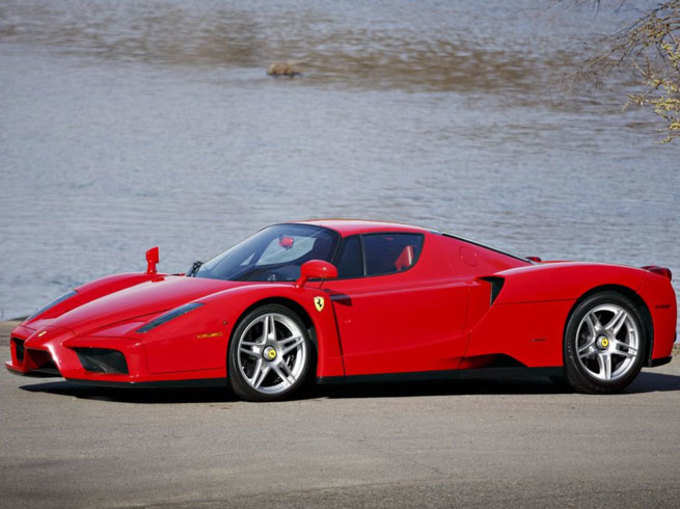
x=604 y=344
x=269 y=354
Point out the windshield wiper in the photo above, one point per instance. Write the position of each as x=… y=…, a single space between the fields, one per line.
x=194 y=268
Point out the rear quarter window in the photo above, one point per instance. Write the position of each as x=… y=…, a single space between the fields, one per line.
x=387 y=253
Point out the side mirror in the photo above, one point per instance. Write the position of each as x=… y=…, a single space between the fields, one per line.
x=316 y=269
x=151 y=260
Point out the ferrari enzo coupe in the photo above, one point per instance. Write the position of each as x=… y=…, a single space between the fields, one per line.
x=347 y=300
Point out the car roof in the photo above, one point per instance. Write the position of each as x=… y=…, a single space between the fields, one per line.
x=346 y=227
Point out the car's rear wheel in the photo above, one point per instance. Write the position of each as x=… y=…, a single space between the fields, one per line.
x=604 y=344
x=269 y=354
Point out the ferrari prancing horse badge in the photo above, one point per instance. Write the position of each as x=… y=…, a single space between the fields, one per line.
x=318 y=303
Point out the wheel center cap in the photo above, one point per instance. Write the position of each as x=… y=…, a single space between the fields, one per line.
x=269 y=353
x=603 y=342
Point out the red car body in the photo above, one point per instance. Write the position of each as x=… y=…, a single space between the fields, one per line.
x=459 y=306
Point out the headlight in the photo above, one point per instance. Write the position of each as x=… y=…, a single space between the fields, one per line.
x=52 y=304
x=170 y=315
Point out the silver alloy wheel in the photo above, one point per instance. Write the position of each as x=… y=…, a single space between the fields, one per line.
x=607 y=342
x=272 y=353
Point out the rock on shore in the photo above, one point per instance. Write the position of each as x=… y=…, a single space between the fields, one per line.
x=289 y=69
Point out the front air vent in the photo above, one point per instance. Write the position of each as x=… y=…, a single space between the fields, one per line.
x=102 y=360
x=18 y=349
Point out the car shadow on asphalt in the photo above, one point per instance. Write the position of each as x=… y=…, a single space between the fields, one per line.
x=525 y=385
x=133 y=394
x=520 y=385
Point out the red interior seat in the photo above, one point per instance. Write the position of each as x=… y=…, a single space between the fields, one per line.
x=405 y=259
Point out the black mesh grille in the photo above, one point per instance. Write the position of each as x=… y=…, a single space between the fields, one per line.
x=19 y=349
x=102 y=360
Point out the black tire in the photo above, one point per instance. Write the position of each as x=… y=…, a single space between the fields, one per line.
x=577 y=375
x=237 y=371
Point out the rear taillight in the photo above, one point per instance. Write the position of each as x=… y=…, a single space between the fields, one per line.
x=661 y=271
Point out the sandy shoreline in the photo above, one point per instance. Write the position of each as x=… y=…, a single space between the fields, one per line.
x=5 y=329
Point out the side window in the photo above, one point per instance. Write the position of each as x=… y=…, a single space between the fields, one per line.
x=350 y=263
x=387 y=253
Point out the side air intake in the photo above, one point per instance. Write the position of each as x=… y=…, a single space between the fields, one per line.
x=496 y=286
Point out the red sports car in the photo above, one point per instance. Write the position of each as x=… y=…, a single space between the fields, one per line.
x=345 y=300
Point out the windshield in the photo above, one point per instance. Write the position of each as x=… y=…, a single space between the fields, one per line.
x=273 y=254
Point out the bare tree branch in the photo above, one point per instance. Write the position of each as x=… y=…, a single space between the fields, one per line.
x=651 y=47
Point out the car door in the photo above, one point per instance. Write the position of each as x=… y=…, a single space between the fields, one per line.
x=395 y=312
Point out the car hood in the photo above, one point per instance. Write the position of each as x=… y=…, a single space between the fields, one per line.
x=147 y=298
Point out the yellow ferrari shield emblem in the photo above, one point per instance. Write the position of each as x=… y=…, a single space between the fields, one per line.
x=319 y=303
x=605 y=342
x=270 y=353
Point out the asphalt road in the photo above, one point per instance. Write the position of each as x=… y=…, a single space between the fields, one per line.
x=473 y=443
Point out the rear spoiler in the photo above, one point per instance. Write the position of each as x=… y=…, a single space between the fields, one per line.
x=661 y=271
